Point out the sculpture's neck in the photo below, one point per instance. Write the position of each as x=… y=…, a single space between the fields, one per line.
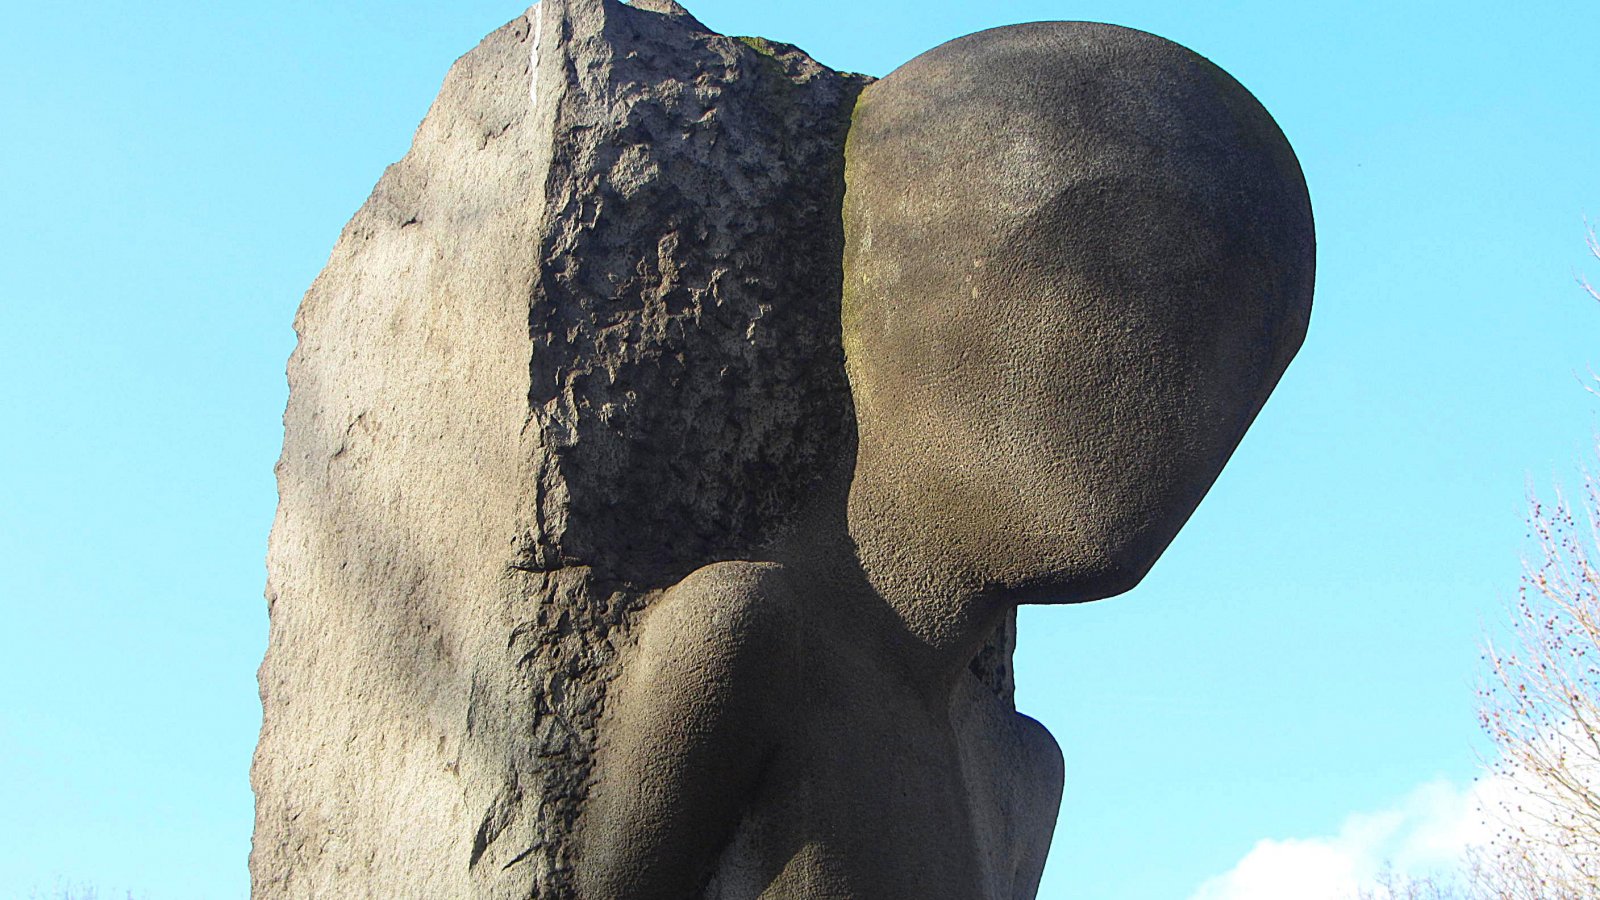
x=948 y=618
x=927 y=622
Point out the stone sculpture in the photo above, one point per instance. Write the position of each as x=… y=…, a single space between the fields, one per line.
x=674 y=432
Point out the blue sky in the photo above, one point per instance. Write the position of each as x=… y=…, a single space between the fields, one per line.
x=1306 y=652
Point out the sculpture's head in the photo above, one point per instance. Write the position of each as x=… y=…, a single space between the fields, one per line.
x=1078 y=258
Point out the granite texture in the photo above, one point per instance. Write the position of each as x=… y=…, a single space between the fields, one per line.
x=581 y=341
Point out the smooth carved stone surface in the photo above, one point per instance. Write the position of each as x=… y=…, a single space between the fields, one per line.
x=1079 y=258
x=581 y=341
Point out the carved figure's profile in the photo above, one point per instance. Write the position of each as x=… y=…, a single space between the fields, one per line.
x=1077 y=260
x=674 y=431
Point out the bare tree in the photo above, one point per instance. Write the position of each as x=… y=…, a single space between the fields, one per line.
x=1540 y=707
x=1391 y=885
x=1594 y=250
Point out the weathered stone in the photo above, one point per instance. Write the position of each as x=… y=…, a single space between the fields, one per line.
x=591 y=577
x=581 y=341
x=1078 y=259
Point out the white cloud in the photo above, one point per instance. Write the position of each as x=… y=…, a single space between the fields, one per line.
x=1426 y=831
x=1430 y=831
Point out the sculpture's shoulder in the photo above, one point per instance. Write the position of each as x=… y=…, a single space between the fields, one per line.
x=687 y=731
x=726 y=600
x=736 y=581
x=717 y=625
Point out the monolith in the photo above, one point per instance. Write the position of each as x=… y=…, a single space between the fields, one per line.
x=580 y=341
